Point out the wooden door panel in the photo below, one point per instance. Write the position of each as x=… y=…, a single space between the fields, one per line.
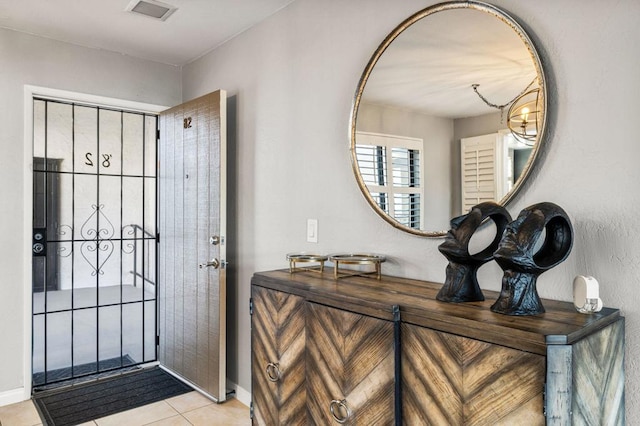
x=449 y=379
x=192 y=209
x=430 y=383
x=349 y=357
x=278 y=336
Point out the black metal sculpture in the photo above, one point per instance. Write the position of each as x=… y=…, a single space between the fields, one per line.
x=522 y=263
x=461 y=283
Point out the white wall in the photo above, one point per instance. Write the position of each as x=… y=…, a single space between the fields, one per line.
x=26 y=59
x=294 y=76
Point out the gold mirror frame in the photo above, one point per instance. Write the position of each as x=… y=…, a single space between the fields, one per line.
x=475 y=5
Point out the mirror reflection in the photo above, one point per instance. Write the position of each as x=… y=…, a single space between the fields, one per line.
x=449 y=113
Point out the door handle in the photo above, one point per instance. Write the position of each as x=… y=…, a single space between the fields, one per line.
x=215 y=263
x=340 y=411
x=273 y=372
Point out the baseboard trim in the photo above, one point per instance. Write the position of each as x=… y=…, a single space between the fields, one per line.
x=12 y=396
x=242 y=394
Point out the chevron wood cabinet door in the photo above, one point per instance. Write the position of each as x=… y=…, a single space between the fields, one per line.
x=278 y=363
x=453 y=380
x=350 y=368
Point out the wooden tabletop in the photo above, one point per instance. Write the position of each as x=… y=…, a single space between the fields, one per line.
x=560 y=324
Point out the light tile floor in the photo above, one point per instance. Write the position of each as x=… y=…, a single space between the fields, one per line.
x=188 y=409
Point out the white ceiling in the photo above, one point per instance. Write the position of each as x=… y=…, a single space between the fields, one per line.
x=197 y=27
x=431 y=66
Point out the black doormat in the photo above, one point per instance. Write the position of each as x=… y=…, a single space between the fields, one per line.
x=80 y=372
x=89 y=401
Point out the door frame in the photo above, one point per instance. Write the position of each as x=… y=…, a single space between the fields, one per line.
x=62 y=95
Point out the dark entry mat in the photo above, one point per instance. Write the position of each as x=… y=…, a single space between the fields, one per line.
x=79 y=372
x=81 y=403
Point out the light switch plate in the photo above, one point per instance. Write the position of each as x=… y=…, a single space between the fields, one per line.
x=312 y=230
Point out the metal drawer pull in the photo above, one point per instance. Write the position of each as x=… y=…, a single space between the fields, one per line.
x=340 y=411
x=273 y=372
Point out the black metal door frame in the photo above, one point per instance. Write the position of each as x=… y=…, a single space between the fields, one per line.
x=92 y=241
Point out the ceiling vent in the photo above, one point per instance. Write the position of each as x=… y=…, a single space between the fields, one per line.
x=151 y=8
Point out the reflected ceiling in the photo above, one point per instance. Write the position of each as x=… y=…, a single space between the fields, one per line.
x=465 y=47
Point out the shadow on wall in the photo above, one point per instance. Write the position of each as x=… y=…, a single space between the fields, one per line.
x=232 y=239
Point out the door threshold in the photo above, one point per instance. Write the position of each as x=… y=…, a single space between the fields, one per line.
x=91 y=377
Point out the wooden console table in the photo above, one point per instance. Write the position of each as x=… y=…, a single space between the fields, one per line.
x=362 y=351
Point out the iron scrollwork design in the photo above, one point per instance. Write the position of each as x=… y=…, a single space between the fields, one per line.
x=61 y=232
x=129 y=231
x=97 y=239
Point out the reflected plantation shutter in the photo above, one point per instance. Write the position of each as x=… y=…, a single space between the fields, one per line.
x=478 y=157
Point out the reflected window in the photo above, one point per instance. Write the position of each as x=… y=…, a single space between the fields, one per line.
x=391 y=168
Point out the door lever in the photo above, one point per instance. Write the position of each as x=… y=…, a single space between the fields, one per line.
x=214 y=262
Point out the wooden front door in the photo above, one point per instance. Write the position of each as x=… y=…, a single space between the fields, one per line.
x=192 y=252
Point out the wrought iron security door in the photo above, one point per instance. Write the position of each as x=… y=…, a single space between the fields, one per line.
x=94 y=240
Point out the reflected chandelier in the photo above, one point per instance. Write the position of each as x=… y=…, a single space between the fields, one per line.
x=524 y=113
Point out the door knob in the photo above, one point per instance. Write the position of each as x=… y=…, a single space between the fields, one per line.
x=214 y=262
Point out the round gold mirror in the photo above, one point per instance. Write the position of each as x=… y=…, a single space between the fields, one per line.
x=449 y=112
